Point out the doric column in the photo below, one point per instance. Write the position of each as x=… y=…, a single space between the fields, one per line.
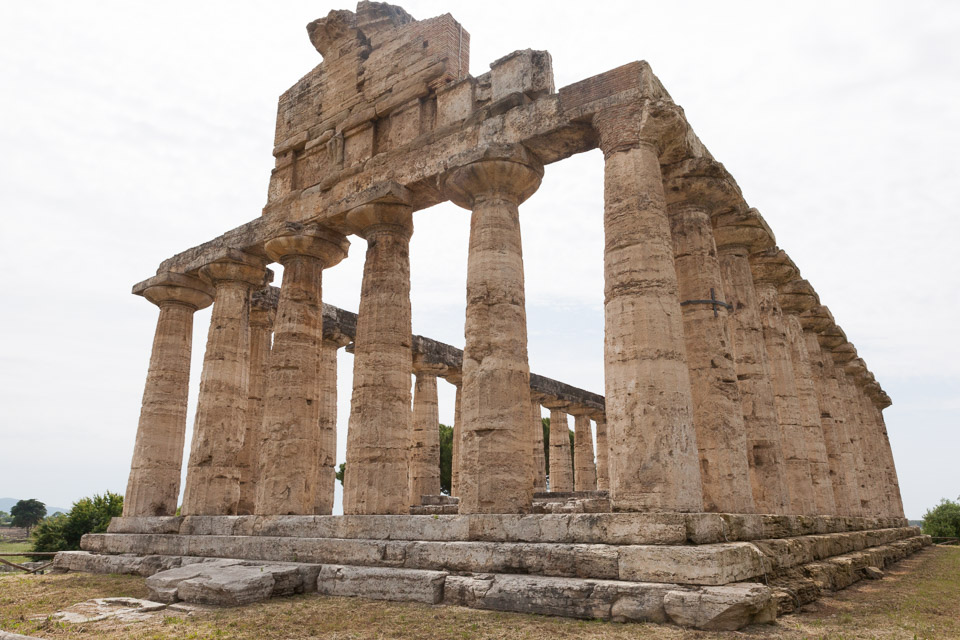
x=654 y=463
x=333 y=341
x=603 y=477
x=857 y=376
x=539 y=457
x=696 y=190
x=584 y=466
x=496 y=470
x=154 y=484
x=424 y=452
x=878 y=400
x=738 y=234
x=376 y=481
x=290 y=438
x=561 y=459
x=796 y=297
x=263 y=311
x=213 y=470
x=843 y=474
x=860 y=429
x=457 y=380
x=771 y=269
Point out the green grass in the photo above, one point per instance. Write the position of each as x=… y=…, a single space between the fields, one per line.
x=16 y=547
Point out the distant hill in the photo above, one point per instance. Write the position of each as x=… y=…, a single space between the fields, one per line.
x=7 y=503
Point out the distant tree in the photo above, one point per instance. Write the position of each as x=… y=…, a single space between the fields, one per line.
x=5 y=519
x=943 y=520
x=28 y=513
x=446 y=458
x=343 y=465
x=62 y=532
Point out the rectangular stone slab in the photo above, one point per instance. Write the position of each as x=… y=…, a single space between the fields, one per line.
x=380 y=583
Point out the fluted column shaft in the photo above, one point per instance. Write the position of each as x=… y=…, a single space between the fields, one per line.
x=261 y=331
x=561 y=460
x=764 y=448
x=787 y=401
x=327 y=463
x=376 y=479
x=539 y=457
x=654 y=462
x=496 y=470
x=717 y=414
x=894 y=500
x=457 y=434
x=823 y=495
x=213 y=471
x=290 y=445
x=603 y=478
x=585 y=468
x=425 y=439
x=873 y=456
x=842 y=471
x=154 y=483
x=857 y=440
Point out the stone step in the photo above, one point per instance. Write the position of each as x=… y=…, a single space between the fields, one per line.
x=434 y=509
x=587 y=528
x=562 y=496
x=439 y=500
x=573 y=505
x=712 y=564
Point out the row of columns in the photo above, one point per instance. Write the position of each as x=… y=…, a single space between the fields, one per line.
x=728 y=387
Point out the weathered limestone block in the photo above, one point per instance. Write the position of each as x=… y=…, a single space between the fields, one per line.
x=695 y=191
x=738 y=234
x=590 y=599
x=603 y=449
x=842 y=474
x=424 y=453
x=262 y=314
x=231 y=582
x=213 y=471
x=872 y=476
x=290 y=439
x=709 y=564
x=895 y=502
x=379 y=428
x=585 y=469
x=154 y=484
x=653 y=458
x=722 y=608
x=380 y=583
x=527 y=72
x=561 y=459
x=496 y=451
x=771 y=269
x=539 y=457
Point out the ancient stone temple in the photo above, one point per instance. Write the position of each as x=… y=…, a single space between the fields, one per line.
x=736 y=465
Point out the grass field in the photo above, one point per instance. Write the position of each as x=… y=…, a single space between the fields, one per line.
x=918 y=599
x=15 y=547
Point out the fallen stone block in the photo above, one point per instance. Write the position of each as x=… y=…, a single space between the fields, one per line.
x=725 y=608
x=381 y=583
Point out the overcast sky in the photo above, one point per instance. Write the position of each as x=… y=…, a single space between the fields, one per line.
x=130 y=131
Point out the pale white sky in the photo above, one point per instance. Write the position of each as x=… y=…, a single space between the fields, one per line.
x=130 y=131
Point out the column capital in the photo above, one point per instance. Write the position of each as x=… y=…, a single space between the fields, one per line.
x=315 y=241
x=422 y=366
x=237 y=266
x=656 y=124
x=383 y=207
x=177 y=288
x=702 y=183
x=579 y=410
x=844 y=354
x=504 y=172
x=773 y=267
x=743 y=227
x=831 y=336
x=336 y=337
x=455 y=378
x=816 y=319
x=798 y=296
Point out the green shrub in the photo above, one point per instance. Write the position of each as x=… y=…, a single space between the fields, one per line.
x=62 y=532
x=943 y=520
